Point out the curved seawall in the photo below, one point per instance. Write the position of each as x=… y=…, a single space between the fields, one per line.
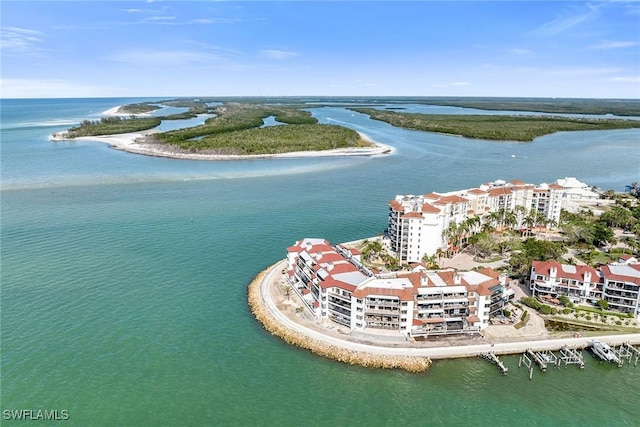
x=266 y=313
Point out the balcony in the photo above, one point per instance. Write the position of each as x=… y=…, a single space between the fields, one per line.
x=339 y=310
x=382 y=302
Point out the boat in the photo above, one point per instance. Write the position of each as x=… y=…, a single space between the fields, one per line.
x=604 y=351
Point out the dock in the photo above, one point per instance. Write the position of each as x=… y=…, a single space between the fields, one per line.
x=634 y=352
x=571 y=356
x=605 y=352
x=491 y=357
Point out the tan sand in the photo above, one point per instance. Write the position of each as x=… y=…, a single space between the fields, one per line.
x=133 y=143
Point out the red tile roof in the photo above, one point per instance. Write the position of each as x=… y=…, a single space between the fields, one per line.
x=427 y=208
x=396 y=206
x=477 y=191
x=412 y=215
x=500 y=191
x=453 y=199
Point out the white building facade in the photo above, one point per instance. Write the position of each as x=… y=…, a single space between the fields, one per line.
x=417 y=224
x=617 y=283
x=335 y=286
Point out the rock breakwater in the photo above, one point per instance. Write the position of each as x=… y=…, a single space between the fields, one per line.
x=370 y=360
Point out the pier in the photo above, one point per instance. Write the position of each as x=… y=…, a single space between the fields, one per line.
x=571 y=357
x=634 y=352
x=491 y=357
x=626 y=352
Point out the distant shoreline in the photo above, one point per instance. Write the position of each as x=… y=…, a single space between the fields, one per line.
x=134 y=143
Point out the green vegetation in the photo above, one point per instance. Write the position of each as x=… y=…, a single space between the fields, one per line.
x=113 y=125
x=494 y=127
x=619 y=107
x=532 y=249
x=537 y=305
x=236 y=131
x=140 y=108
x=274 y=140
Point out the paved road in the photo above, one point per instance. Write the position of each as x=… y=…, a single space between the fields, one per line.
x=434 y=352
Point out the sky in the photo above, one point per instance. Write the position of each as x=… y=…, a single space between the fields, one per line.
x=565 y=49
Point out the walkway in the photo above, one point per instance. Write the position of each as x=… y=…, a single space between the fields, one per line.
x=448 y=352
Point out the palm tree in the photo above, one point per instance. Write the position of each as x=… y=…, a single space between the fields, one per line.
x=510 y=219
x=520 y=212
x=430 y=262
x=529 y=221
x=494 y=218
x=452 y=233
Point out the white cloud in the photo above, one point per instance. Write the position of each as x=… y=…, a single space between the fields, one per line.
x=520 y=51
x=278 y=54
x=568 y=20
x=583 y=71
x=460 y=84
x=627 y=79
x=614 y=45
x=169 y=57
x=51 y=88
x=21 y=40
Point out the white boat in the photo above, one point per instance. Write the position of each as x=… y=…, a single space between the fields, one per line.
x=604 y=351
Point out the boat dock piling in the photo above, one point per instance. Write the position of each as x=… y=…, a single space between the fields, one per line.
x=491 y=357
x=571 y=357
x=626 y=351
x=526 y=361
x=634 y=352
x=543 y=358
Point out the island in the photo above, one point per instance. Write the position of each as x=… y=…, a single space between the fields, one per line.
x=235 y=131
x=235 y=128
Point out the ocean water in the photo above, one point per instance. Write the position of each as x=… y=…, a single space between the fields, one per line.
x=123 y=280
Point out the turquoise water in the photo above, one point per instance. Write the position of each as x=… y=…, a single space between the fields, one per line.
x=124 y=280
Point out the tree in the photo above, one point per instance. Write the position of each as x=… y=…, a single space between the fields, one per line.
x=634 y=189
x=603 y=235
x=603 y=304
x=286 y=289
x=430 y=262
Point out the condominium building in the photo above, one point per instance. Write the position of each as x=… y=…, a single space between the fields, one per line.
x=617 y=283
x=336 y=286
x=417 y=224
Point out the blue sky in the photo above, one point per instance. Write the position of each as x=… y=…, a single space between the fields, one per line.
x=342 y=48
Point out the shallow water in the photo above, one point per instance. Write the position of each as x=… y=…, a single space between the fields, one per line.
x=124 y=279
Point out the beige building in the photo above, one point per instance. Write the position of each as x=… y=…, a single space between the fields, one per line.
x=418 y=224
x=335 y=286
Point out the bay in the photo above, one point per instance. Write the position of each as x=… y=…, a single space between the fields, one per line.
x=124 y=279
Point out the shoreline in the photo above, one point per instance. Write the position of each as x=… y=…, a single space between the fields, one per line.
x=412 y=357
x=133 y=143
x=266 y=316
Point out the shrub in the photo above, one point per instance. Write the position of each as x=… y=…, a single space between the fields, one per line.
x=566 y=311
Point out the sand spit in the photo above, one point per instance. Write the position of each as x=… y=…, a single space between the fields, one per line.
x=136 y=143
x=369 y=360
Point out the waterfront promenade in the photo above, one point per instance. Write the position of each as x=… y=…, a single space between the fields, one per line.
x=269 y=281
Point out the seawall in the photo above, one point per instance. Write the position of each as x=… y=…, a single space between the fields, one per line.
x=265 y=316
x=412 y=357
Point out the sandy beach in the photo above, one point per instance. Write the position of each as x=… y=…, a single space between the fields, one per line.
x=134 y=143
